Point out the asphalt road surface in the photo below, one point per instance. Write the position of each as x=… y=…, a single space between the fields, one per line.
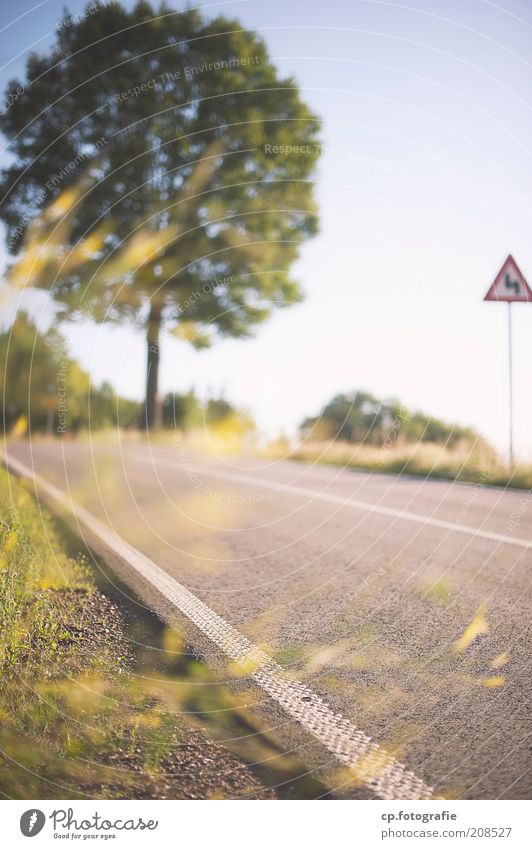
x=403 y=603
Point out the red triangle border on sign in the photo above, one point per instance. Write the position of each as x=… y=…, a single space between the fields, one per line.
x=509 y=264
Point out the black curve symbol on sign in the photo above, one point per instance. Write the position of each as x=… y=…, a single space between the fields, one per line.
x=512 y=284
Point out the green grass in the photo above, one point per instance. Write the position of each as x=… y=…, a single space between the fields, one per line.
x=472 y=464
x=101 y=699
x=32 y=576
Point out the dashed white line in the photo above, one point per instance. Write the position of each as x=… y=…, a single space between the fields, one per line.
x=367 y=506
x=371 y=765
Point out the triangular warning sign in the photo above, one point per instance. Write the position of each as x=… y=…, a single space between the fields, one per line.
x=510 y=284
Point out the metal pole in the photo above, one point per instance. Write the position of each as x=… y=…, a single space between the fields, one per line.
x=511 y=399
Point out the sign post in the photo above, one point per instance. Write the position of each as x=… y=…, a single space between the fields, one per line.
x=510 y=382
x=510 y=286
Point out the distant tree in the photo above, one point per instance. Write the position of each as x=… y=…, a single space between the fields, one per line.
x=44 y=389
x=186 y=411
x=181 y=411
x=107 y=409
x=161 y=175
x=74 y=404
x=361 y=417
x=218 y=409
x=353 y=418
x=30 y=365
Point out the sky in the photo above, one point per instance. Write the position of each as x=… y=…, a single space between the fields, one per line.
x=424 y=187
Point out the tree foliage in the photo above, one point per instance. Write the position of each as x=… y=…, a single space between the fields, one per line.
x=160 y=175
x=361 y=417
x=31 y=362
x=43 y=388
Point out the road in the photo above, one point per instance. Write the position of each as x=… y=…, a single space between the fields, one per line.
x=402 y=603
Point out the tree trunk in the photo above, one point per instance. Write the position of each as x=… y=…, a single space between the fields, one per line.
x=153 y=409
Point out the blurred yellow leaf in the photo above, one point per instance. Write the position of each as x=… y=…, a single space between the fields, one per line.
x=172 y=642
x=85 y=249
x=139 y=250
x=191 y=331
x=63 y=203
x=477 y=626
x=32 y=262
x=494 y=681
x=20 y=427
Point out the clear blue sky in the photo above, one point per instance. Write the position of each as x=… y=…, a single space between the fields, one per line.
x=424 y=188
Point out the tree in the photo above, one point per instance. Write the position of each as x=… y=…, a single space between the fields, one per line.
x=181 y=411
x=361 y=417
x=161 y=175
x=186 y=412
x=43 y=388
x=32 y=363
x=104 y=408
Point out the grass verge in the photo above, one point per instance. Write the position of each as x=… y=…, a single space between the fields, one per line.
x=100 y=699
x=462 y=463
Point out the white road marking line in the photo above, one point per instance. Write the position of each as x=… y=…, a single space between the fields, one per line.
x=312 y=494
x=372 y=766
